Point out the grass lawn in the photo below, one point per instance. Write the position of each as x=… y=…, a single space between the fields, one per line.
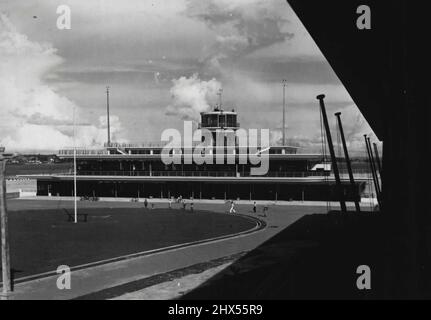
x=43 y=239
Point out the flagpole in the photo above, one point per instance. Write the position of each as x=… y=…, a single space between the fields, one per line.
x=74 y=167
x=284 y=82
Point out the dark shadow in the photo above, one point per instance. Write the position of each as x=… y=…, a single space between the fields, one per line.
x=314 y=258
x=13 y=274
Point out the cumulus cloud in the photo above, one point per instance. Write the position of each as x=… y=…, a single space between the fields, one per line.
x=354 y=125
x=240 y=27
x=191 y=96
x=34 y=115
x=303 y=142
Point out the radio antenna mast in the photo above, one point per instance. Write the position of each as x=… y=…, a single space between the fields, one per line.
x=219 y=93
x=284 y=82
x=107 y=115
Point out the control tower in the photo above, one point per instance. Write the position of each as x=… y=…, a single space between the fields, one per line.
x=219 y=119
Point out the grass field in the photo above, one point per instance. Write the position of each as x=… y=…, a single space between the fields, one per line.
x=43 y=239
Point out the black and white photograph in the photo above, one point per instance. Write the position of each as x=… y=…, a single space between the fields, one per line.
x=213 y=150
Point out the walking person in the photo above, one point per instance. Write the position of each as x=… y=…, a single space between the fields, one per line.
x=254 y=207
x=145 y=203
x=265 y=210
x=232 y=207
x=184 y=204
x=170 y=203
x=191 y=206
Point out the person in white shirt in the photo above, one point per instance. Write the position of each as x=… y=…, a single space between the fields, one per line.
x=232 y=207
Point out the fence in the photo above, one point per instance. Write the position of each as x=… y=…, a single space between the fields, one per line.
x=200 y=173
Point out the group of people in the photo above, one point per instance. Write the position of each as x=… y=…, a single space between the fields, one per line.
x=146 y=204
x=265 y=208
x=183 y=203
x=179 y=200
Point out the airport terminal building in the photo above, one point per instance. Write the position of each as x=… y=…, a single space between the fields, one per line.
x=137 y=171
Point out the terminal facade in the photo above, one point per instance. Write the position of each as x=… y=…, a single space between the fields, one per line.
x=137 y=171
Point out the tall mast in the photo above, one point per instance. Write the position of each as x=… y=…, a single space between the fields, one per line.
x=338 y=185
x=219 y=93
x=346 y=156
x=284 y=82
x=373 y=170
x=75 y=206
x=379 y=163
x=107 y=115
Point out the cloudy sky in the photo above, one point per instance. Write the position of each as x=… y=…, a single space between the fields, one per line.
x=164 y=60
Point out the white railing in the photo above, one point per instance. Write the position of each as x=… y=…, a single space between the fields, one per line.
x=82 y=152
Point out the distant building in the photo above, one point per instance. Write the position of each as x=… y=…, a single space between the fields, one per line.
x=137 y=171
